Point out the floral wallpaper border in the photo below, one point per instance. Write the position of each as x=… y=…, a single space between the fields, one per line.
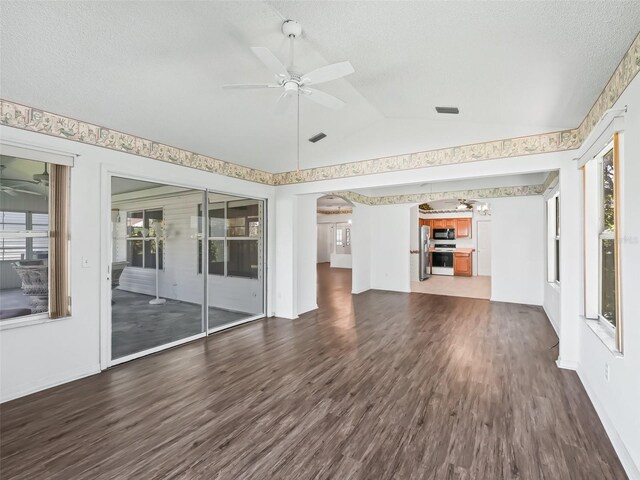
x=32 y=119
x=497 y=192
x=35 y=120
x=335 y=212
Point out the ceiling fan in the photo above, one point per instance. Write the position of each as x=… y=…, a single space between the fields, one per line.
x=295 y=83
x=43 y=177
x=14 y=189
x=464 y=204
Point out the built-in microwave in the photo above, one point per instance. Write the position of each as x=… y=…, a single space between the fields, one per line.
x=444 y=233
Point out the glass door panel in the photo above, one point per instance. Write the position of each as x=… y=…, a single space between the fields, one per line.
x=157 y=285
x=236 y=260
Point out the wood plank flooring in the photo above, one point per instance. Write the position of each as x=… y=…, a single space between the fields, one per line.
x=376 y=386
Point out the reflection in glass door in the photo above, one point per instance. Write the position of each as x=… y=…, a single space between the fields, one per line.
x=157 y=294
x=236 y=274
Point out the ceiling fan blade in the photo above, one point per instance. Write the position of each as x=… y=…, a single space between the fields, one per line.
x=271 y=61
x=5 y=179
x=249 y=86
x=323 y=98
x=28 y=192
x=9 y=192
x=328 y=73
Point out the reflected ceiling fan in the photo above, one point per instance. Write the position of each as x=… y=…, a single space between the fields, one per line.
x=14 y=189
x=294 y=83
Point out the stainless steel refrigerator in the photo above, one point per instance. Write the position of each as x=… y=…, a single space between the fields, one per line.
x=423 y=242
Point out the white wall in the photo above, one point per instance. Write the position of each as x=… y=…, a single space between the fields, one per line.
x=390 y=245
x=307 y=263
x=617 y=399
x=38 y=356
x=361 y=239
x=517 y=250
x=325 y=242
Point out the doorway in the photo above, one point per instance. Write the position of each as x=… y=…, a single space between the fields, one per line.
x=334 y=220
x=176 y=273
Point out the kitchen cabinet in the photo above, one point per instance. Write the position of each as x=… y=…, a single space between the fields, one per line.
x=463 y=227
x=462 y=264
x=449 y=223
x=439 y=223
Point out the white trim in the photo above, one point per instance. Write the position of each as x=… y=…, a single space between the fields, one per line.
x=28 y=320
x=632 y=470
x=220 y=328
x=50 y=382
x=567 y=364
x=159 y=348
x=34 y=152
x=551 y=321
x=610 y=122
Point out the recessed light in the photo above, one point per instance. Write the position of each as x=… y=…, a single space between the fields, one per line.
x=317 y=138
x=450 y=110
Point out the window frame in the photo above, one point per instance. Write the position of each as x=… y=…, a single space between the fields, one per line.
x=252 y=220
x=604 y=233
x=50 y=158
x=553 y=238
x=144 y=240
x=594 y=235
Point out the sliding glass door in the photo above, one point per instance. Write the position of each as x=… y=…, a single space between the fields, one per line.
x=157 y=295
x=235 y=281
x=176 y=272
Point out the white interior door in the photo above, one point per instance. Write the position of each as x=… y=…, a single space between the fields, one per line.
x=484 y=247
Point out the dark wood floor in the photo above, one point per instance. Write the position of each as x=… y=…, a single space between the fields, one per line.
x=378 y=386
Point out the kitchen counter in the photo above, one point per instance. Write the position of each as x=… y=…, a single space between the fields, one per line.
x=457 y=250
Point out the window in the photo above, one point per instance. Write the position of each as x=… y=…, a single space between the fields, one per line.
x=34 y=277
x=602 y=247
x=234 y=236
x=607 y=247
x=142 y=229
x=339 y=237
x=553 y=239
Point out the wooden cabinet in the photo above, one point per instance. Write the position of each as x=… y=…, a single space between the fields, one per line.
x=463 y=227
x=462 y=264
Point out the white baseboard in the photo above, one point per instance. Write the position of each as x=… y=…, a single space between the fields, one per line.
x=49 y=382
x=553 y=324
x=308 y=309
x=567 y=364
x=633 y=472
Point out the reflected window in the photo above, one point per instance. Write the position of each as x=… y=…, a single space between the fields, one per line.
x=142 y=227
x=234 y=238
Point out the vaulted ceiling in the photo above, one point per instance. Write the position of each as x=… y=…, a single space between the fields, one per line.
x=155 y=69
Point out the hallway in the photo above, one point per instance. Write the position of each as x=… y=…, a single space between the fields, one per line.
x=377 y=385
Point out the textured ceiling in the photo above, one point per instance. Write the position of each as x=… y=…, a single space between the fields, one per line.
x=154 y=69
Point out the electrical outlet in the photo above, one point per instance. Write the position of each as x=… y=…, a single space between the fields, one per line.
x=606 y=372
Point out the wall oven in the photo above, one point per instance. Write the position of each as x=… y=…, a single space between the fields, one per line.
x=444 y=233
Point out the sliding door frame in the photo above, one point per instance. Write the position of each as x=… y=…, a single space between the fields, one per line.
x=106 y=256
